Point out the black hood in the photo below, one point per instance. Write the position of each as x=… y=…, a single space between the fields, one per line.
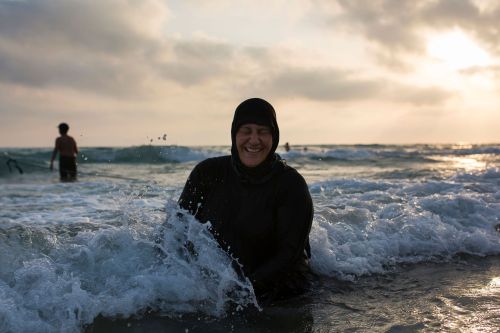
x=255 y=111
x=260 y=112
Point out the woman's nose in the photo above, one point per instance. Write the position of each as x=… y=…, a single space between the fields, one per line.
x=254 y=137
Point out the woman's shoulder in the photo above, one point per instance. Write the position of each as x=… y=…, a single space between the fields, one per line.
x=214 y=162
x=290 y=176
x=212 y=166
x=292 y=188
x=290 y=172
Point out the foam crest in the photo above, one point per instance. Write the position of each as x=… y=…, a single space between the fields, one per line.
x=148 y=154
x=120 y=272
x=387 y=223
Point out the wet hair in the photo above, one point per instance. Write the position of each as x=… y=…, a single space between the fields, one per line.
x=63 y=128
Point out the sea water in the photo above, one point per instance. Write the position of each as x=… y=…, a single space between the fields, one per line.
x=404 y=239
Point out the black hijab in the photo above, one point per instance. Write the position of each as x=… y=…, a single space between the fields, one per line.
x=260 y=112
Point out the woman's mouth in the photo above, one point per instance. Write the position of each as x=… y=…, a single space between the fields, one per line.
x=253 y=150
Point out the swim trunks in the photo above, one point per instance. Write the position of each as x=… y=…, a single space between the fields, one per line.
x=67 y=168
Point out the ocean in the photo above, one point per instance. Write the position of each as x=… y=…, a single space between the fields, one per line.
x=405 y=238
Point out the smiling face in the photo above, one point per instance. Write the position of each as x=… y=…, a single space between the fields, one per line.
x=253 y=142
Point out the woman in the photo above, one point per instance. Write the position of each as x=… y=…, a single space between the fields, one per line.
x=259 y=208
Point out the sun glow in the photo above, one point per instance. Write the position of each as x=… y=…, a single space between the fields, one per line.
x=457 y=51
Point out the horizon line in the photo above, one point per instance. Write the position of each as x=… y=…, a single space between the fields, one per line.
x=461 y=143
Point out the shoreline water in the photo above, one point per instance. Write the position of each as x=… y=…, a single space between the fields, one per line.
x=77 y=255
x=460 y=295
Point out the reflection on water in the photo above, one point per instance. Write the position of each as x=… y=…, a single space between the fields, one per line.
x=461 y=296
x=466 y=163
x=474 y=309
x=495 y=283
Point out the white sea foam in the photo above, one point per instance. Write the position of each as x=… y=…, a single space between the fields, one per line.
x=364 y=227
x=61 y=275
x=72 y=251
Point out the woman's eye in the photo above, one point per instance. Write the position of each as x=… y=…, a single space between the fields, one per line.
x=245 y=131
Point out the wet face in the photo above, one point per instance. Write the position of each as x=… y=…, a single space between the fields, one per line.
x=253 y=142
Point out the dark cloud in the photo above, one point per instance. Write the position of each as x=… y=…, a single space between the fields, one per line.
x=447 y=13
x=386 y=22
x=320 y=84
x=326 y=84
x=395 y=26
x=101 y=47
x=92 y=73
x=100 y=26
x=464 y=14
x=82 y=45
x=196 y=61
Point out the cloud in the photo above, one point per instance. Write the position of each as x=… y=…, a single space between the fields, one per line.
x=493 y=71
x=397 y=28
x=468 y=16
x=416 y=95
x=115 y=48
x=92 y=73
x=322 y=84
x=385 y=22
x=332 y=85
x=118 y=49
x=95 y=46
x=101 y=26
x=195 y=61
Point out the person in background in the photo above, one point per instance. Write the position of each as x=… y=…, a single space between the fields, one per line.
x=67 y=149
x=260 y=209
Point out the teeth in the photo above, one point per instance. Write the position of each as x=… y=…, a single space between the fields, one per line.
x=253 y=150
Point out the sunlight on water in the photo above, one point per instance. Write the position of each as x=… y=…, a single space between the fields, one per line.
x=492 y=289
x=495 y=283
x=468 y=164
x=476 y=310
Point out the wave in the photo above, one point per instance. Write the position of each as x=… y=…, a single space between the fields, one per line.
x=33 y=160
x=149 y=154
x=370 y=153
x=368 y=226
x=29 y=157
x=73 y=251
x=56 y=283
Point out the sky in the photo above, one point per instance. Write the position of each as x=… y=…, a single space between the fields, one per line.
x=124 y=72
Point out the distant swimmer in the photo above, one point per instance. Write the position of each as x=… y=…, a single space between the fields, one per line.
x=287 y=147
x=66 y=147
x=260 y=209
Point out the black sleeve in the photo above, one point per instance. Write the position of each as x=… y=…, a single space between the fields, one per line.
x=194 y=192
x=294 y=219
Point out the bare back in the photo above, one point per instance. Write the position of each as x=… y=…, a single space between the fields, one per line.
x=66 y=146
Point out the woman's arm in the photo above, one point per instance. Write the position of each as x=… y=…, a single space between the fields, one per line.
x=294 y=218
x=192 y=194
x=199 y=184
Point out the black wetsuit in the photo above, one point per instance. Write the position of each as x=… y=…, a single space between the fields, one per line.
x=264 y=225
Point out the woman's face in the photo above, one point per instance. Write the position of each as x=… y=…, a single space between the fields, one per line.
x=253 y=142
